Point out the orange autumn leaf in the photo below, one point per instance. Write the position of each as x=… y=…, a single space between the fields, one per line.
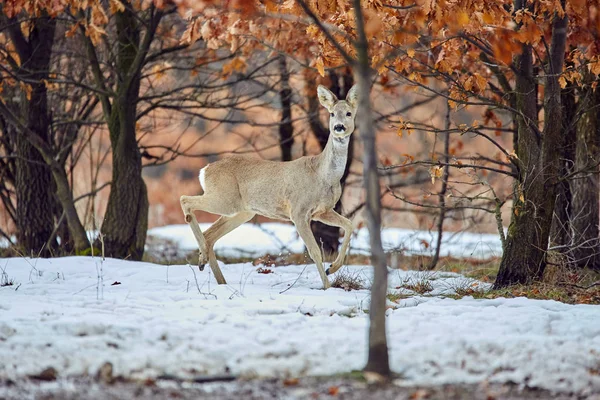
x=237 y=64
x=462 y=18
x=116 y=6
x=27 y=89
x=374 y=24
x=404 y=126
x=408 y=158
x=435 y=173
x=192 y=32
x=244 y=7
x=320 y=66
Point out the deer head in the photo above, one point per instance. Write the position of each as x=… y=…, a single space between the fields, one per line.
x=341 y=112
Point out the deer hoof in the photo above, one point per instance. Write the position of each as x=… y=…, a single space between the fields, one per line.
x=188 y=218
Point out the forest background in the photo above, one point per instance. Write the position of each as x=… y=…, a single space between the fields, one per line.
x=486 y=115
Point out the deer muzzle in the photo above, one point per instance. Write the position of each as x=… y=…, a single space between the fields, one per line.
x=339 y=128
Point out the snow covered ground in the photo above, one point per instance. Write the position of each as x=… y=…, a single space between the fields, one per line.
x=77 y=313
x=256 y=240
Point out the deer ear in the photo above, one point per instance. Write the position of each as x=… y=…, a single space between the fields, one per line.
x=326 y=98
x=352 y=97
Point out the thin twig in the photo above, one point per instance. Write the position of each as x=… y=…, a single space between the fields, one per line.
x=198 y=286
x=297 y=278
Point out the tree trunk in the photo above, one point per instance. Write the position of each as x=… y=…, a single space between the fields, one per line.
x=560 y=233
x=126 y=220
x=34 y=130
x=523 y=260
x=34 y=199
x=33 y=180
x=328 y=236
x=63 y=190
x=443 y=190
x=8 y=172
x=286 y=129
x=378 y=360
x=585 y=188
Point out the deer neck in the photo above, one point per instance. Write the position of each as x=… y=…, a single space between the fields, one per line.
x=333 y=158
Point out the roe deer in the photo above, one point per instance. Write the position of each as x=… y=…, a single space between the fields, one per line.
x=238 y=188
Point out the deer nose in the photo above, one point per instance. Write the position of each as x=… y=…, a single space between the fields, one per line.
x=339 y=128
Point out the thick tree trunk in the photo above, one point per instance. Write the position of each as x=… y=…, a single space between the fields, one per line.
x=523 y=260
x=560 y=233
x=34 y=198
x=126 y=220
x=33 y=180
x=63 y=190
x=328 y=236
x=585 y=188
x=34 y=129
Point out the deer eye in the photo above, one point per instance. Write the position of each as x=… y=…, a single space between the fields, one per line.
x=348 y=114
x=331 y=114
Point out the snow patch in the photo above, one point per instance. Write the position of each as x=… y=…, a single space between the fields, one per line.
x=159 y=321
x=254 y=240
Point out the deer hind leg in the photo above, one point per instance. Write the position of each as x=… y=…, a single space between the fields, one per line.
x=220 y=228
x=332 y=218
x=303 y=228
x=203 y=253
x=220 y=204
x=212 y=204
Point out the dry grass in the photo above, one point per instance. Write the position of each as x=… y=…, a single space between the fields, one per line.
x=421 y=286
x=397 y=296
x=5 y=280
x=348 y=281
x=539 y=291
x=482 y=270
x=559 y=283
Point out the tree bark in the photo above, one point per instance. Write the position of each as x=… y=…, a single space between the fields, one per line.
x=584 y=186
x=523 y=260
x=378 y=360
x=33 y=180
x=560 y=233
x=286 y=129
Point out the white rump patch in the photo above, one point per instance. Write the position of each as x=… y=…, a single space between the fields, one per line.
x=202 y=181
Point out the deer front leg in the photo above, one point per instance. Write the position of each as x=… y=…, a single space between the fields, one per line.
x=303 y=228
x=332 y=218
